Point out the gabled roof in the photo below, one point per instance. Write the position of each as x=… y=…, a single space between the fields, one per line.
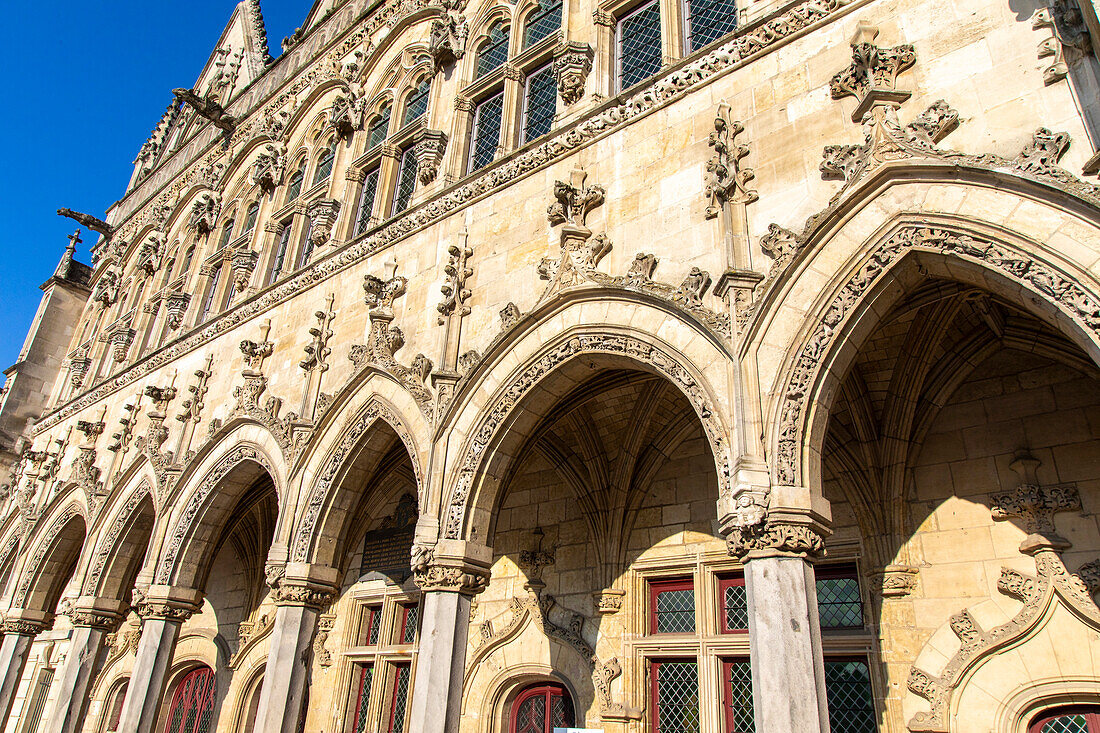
x=239 y=56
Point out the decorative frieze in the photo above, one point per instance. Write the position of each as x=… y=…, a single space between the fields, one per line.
x=572 y=64
x=775 y=537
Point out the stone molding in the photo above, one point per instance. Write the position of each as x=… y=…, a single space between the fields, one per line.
x=166 y=603
x=1059 y=289
x=672 y=84
x=295 y=593
x=465 y=579
x=108 y=541
x=35 y=562
x=22 y=627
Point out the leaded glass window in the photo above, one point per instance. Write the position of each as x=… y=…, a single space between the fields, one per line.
x=735 y=604
x=540 y=103
x=542 y=709
x=486 y=133
x=1077 y=719
x=208 y=302
x=305 y=249
x=324 y=165
x=416 y=106
x=838 y=599
x=542 y=21
x=193 y=703
x=848 y=691
x=378 y=129
x=406 y=181
x=672 y=608
x=227 y=232
x=737 y=696
x=675 y=696
x=280 y=254
x=494 y=52
x=294 y=188
x=400 y=698
x=366 y=202
x=372 y=624
x=250 y=218
x=709 y=20
x=362 y=699
x=639 y=45
x=410 y=617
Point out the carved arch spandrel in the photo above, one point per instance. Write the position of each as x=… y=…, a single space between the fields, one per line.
x=955 y=249
x=42 y=543
x=110 y=534
x=472 y=472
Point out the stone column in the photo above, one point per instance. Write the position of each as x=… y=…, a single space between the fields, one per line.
x=163 y=611
x=788 y=671
x=19 y=629
x=449 y=576
x=300 y=595
x=91 y=624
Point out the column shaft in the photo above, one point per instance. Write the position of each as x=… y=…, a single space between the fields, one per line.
x=788 y=672
x=81 y=666
x=154 y=657
x=286 y=677
x=13 y=657
x=441 y=661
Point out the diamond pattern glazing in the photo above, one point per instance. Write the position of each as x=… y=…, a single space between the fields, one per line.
x=487 y=121
x=709 y=20
x=417 y=104
x=494 y=52
x=540 y=104
x=366 y=202
x=400 y=699
x=740 y=698
x=676 y=611
x=839 y=603
x=848 y=691
x=364 y=696
x=1067 y=724
x=678 y=697
x=737 y=607
x=412 y=617
x=640 y=45
x=543 y=21
x=378 y=128
x=406 y=181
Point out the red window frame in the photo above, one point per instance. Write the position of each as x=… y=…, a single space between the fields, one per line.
x=549 y=690
x=656 y=588
x=394 y=713
x=359 y=721
x=118 y=698
x=1091 y=713
x=372 y=626
x=196 y=689
x=727 y=692
x=406 y=609
x=654 y=691
x=724 y=582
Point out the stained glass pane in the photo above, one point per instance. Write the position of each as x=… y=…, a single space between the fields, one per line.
x=406 y=181
x=400 y=699
x=486 y=133
x=412 y=617
x=494 y=52
x=839 y=603
x=676 y=611
x=540 y=104
x=739 y=679
x=677 y=697
x=709 y=20
x=640 y=45
x=848 y=690
x=417 y=104
x=366 y=202
x=736 y=604
x=378 y=128
x=1067 y=724
x=543 y=21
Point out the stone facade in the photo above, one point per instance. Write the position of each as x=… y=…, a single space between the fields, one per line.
x=763 y=393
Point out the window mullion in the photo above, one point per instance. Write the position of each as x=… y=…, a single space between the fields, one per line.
x=510 y=114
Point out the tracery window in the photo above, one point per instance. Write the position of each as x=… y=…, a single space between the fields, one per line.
x=193 y=703
x=541 y=709
x=541 y=22
x=324 y=165
x=540 y=103
x=639 y=45
x=294 y=187
x=378 y=128
x=709 y=20
x=1073 y=719
x=494 y=52
x=416 y=105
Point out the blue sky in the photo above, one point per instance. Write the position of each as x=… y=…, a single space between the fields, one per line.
x=84 y=84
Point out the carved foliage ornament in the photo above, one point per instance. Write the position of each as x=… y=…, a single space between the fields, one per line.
x=726 y=180
x=1079 y=303
x=270 y=167
x=447 y=41
x=872 y=77
x=204 y=212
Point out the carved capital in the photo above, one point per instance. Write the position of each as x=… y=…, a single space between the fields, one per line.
x=872 y=77
x=572 y=64
x=287 y=593
x=322 y=214
x=464 y=104
x=449 y=579
x=94 y=619
x=609 y=600
x=24 y=626
x=775 y=537
x=429 y=148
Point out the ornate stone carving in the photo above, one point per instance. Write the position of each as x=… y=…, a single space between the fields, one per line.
x=175 y=307
x=346 y=114
x=511 y=395
x=609 y=600
x=726 y=180
x=1036 y=594
x=242 y=264
x=79 y=364
x=120 y=441
x=156 y=434
x=447 y=41
x=21 y=627
x=1089 y=573
x=204 y=212
x=325 y=624
x=735 y=52
x=455 y=292
x=108 y=543
x=85 y=474
x=269 y=167
x=121 y=336
x=302 y=594
x=94 y=619
x=1042 y=153
x=150 y=254
x=36 y=559
x=322 y=215
x=896 y=581
x=572 y=64
x=1023 y=268
x=1035 y=505
x=933 y=124
x=207 y=107
x=779 y=243
x=872 y=77
x=162 y=610
x=429 y=149
x=509 y=316
x=106 y=288
x=574 y=200
x=693 y=288
x=441 y=578
x=1068 y=38
x=317 y=351
x=249 y=634
x=775 y=537
x=88 y=221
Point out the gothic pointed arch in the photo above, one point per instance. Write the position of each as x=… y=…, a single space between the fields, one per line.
x=122 y=545
x=52 y=557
